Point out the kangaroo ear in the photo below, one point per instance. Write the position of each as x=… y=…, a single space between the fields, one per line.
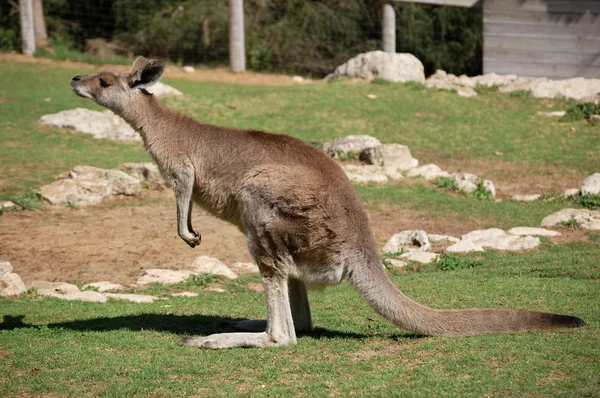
x=145 y=73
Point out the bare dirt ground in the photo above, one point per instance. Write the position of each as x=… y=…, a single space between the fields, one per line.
x=118 y=240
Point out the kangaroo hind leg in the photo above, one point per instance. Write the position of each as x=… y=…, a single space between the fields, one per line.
x=300 y=311
x=279 y=329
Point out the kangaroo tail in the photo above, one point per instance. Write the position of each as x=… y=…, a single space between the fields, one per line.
x=373 y=283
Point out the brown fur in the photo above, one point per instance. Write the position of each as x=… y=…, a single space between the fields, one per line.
x=303 y=220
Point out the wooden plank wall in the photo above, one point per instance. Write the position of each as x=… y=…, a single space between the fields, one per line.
x=552 y=38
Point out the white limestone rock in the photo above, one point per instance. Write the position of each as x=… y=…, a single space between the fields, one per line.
x=57 y=287
x=569 y=193
x=365 y=174
x=211 y=265
x=164 y=276
x=498 y=239
x=10 y=283
x=433 y=238
x=587 y=219
x=591 y=185
x=524 y=231
x=99 y=124
x=88 y=295
x=103 y=286
x=7 y=204
x=394 y=67
x=467 y=182
x=350 y=145
x=414 y=239
x=420 y=257
x=464 y=246
x=388 y=155
x=430 y=172
x=146 y=171
x=87 y=185
x=134 y=298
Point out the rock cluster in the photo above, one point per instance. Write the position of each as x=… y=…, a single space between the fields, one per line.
x=415 y=245
x=100 y=292
x=407 y=68
x=577 y=88
x=86 y=185
x=383 y=163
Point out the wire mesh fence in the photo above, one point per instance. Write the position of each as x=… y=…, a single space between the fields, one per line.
x=306 y=37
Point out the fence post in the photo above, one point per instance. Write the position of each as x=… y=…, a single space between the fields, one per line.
x=39 y=25
x=237 y=51
x=27 y=27
x=388 y=27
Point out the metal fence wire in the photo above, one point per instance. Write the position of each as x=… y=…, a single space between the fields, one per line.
x=306 y=37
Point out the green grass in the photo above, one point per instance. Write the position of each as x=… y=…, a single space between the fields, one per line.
x=53 y=347
x=64 y=52
x=50 y=347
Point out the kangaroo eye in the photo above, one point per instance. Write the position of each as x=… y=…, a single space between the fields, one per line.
x=104 y=83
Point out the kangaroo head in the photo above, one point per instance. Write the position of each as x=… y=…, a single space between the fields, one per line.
x=119 y=90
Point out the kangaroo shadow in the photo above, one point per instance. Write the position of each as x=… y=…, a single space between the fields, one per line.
x=176 y=324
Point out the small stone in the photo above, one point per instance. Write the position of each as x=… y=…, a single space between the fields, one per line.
x=569 y=193
x=483 y=234
x=189 y=69
x=103 y=286
x=134 y=298
x=7 y=204
x=371 y=96
x=464 y=246
x=298 y=79
x=524 y=231
x=211 y=265
x=527 y=198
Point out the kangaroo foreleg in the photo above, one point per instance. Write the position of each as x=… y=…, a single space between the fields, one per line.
x=183 y=187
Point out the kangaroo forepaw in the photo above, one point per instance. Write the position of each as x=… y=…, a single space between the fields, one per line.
x=192 y=238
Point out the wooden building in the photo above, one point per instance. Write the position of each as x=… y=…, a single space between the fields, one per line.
x=552 y=38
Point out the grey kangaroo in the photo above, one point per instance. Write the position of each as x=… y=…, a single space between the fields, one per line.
x=302 y=218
